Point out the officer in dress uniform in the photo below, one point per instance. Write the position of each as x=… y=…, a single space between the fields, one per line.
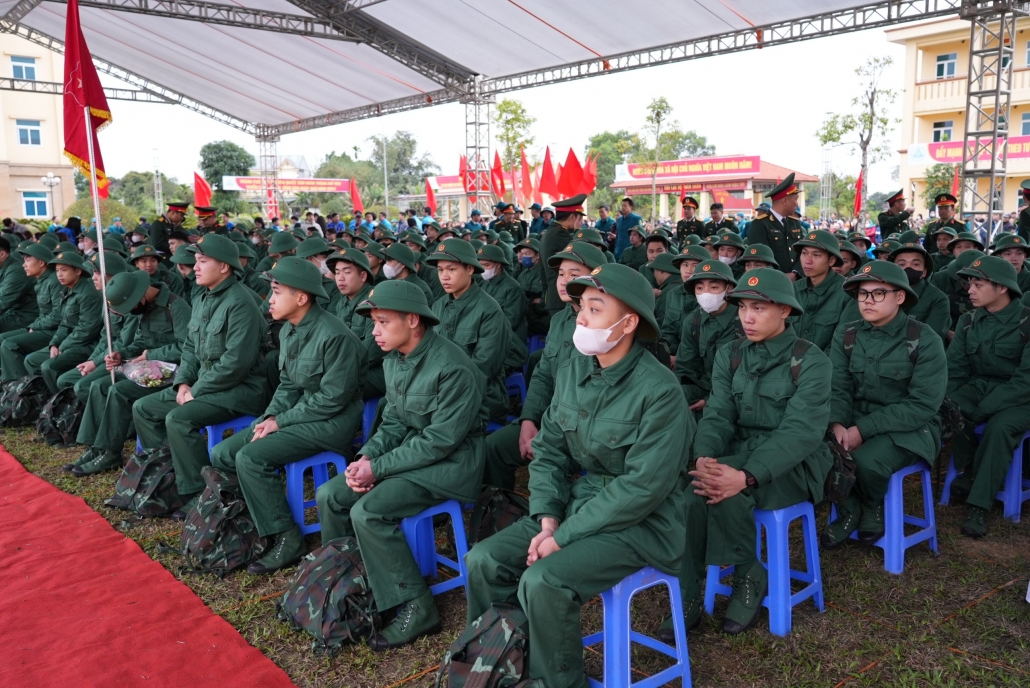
x=690 y=224
x=165 y=225
x=945 y=203
x=207 y=221
x=895 y=219
x=567 y=219
x=719 y=223
x=776 y=229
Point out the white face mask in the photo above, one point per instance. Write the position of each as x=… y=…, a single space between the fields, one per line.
x=389 y=271
x=324 y=269
x=255 y=240
x=490 y=274
x=591 y=342
x=137 y=238
x=710 y=302
x=81 y=245
x=729 y=260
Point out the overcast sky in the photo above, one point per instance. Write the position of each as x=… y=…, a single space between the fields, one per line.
x=760 y=102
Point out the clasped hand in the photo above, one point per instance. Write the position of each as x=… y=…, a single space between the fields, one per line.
x=717 y=481
x=359 y=475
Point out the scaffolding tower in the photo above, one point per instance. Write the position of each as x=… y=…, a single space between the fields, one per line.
x=268 y=168
x=826 y=183
x=477 y=146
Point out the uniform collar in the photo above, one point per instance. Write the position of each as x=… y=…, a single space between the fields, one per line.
x=832 y=281
x=673 y=281
x=778 y=344
x=361 y=295
x=163 y=296
x=468 y=297
x=725 y=316
x=896 y=325
x=223 y=285
x=420 y=351
x=1010 y=313
x=310 y=318
x=614 y=374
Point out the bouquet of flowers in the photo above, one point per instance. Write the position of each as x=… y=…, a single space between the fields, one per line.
x=153 y=374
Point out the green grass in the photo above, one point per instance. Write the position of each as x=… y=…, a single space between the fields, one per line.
x=954 y=620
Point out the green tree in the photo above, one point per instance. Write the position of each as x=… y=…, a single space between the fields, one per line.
x=81 y=185
x=406 y=168
x=224 y=159
x=136 y=189
x=658 y=113
x=938 y=181
x=343 y=166
x=109 y=209
x=512 y=124
x=611 y=149
x=869 y=123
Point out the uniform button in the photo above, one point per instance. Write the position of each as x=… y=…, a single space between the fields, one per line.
x=613 y=440
x=747 y=409
x=582 y=414
x=753 y=376
x=564 y=343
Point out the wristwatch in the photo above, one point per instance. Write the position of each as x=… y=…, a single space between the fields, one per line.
x=752 y=483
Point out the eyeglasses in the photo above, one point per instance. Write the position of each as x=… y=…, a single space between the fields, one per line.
x=877 y=295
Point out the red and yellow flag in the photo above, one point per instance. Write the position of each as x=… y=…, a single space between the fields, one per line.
x=82 y=89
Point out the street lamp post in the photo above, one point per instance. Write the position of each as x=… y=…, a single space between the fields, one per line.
x=50 y=181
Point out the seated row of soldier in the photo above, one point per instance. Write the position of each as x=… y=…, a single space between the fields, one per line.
x=632 y=460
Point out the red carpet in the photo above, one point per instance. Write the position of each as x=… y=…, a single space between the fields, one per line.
x=82 y=605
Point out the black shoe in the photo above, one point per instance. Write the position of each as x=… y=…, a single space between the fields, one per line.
x=415 y=619
x=837 y=533
x=975 y=526
x=749 y=589
x=191 y=504
x=86 y=457
x=287 y=550
x=691 y=617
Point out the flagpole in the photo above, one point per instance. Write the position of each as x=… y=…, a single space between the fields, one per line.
x=100 y=229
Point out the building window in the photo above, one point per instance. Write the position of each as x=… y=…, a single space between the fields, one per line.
x=1026 y=124
x=1005 y=61
x=946 y=65
x=942 y=131
x=28 y=131
x=23 y=68
x=35 y=203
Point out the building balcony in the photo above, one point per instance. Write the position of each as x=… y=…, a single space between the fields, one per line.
x=949 y=95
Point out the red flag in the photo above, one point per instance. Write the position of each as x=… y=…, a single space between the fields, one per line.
x=527 y=180
x=683 y=194
x=430 y=198
x=955 y=183
x=538 y=196
x=463 y=173
x=201 y=191
x=571 y=176
x=557 y=179
x=82 y=89
x=858 y=194
x=589 y=175
x=497 y=176
x=355 y=197
x=548 y=183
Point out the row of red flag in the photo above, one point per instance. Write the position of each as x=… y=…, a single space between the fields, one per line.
x=529 y=183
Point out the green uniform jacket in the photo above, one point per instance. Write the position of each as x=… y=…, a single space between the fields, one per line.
x=957 y=295
x=418 y=282
x=1023 y=278
x=685 y=228
x=616 y=424
x=321 y=375
x=429 y=275
x=509 y=296
x=932 y=309
x=766 y=229
x=49 y=302
x=256 y=283
x=759 y=414
x=989 y=355
x=81 y=316
x=826 y=306
x=160 y=330
x=333 y=294
x=889 y=224
x=679 y=302
x=158 y=235
x=222 y=349
x=170 y=280
x=940 y=261
x=18 y=305
x=432 y=426
x=517 y=231
x=531 y=280
x=558 y=349
x=723 y=225
x=634 y=256
x=701 y=337
x=122 y=327
x=360 y=325
x=931 y=227
x=555 y=239
x=476 y=323
x=672 y=284
x=879 y=390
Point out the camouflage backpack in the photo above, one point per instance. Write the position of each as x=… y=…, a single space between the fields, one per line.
x=490 y=653
x=330 y=597
x=495 y=510
x=22 y=401
x=147 y=484
x=219 y=535
x=58 y=422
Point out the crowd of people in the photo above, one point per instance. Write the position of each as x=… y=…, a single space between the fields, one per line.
x=690 y=375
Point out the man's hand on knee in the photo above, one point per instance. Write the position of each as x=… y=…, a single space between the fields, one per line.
x=539 y=544
x=54 y=352
x=359 y=475
x=265 y=428
x=715 y=481
x=183 y=395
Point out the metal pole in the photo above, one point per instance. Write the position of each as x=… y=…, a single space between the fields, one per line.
x=100 y=229
x=386 y=181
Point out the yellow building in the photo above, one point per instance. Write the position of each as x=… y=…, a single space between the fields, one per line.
x=33 y=135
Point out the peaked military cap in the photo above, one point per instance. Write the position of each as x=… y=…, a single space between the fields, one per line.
x=178 y=206
x=400 y=296
x=689 y=202
x=785 y=188
x=570 y=205
x=897 y=196
x=944 y=199
x=629 y=287
x=204 y=211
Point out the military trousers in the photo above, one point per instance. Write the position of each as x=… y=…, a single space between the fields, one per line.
x=374 y=518
x=725 y=533
x=73 y=379
x=551 y=592
x=503 y=457
x=876 y=460
x=990 y=458
x=41 y=363
x=14 y=347
x=107 y=420
x=159 y=417
x=257 y=464
x=11 y=322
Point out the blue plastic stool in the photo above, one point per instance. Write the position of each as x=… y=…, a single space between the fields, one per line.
x=418 y=530
x=368 y=417
x=516 y=384
x=779 y=600
x=894 y=541
x=536 y=342
x=618 y=634
x=1016 y=488
x=215 y=432
x=319 y=465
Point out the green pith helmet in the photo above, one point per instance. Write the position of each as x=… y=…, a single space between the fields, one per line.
x=628 y=286
x=400 y=296
x=297 y=273
x=766 y=284
x=884 y=272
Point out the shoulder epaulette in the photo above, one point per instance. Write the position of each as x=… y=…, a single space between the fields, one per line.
x=761 y=216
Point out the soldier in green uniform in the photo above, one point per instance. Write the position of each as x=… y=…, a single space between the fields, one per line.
x=719 y=223
x=655 y=244
x=17 y=292
x=895 y=218
x=946 y=222
x=887 y=389
x=861 y=242
x=682 y=301
x=531 y=279
x=507 y=223
x=221 y=376
x=510 y=447
x=609 y=418
x=376 y=256
x=82 y=320
x=425 y=272
x=690 y=224
x=282 y=244
x=964 y=241
x=184 y=261
x=145 y=258
x=667 y=275
x=820 y=293
x=883 y=250
x=472 y=320
x=504 y=289
x=932 y=307
x=354 y=282
x=400 y=265
x=562 y=222
x=594 y=238
x=988 y=374
x=954 y=286
x=428 y=448
x=14 y=344
x=250 y=277
x=315 y=251
x=705 y=329
x=163 y=226
x=207 y=221
x=758 y=256
x=159 y=324
x=1015 y=250
x=634 y=255
x=777 y=229
x=759 y=444
x=851 y=259
x=316 y=407
x=730 y=248
x=939 y=239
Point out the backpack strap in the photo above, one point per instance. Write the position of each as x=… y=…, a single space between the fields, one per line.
x=1024 y=326
x=695 y=325
x=736 y=355
x=797 y=357
x=912 y=338
x=850 y=337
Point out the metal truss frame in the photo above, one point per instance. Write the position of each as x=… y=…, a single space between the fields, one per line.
x=54 y=88
x=268 y=169
x=477 y=148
